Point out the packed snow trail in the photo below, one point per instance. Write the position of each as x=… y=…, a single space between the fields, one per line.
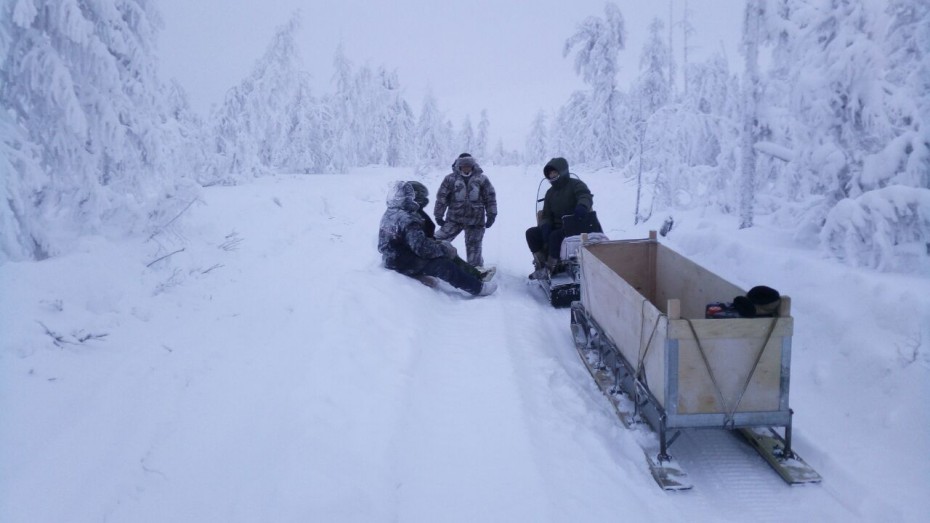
x=274 y=371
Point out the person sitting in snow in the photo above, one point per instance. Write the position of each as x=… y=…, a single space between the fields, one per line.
x=566 y=196
x=466 y=200
x=406 y=248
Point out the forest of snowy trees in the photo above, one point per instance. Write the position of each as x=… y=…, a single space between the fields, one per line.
x=823 y=126
x=831 y=138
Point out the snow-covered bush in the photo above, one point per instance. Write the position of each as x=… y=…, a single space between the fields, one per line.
x=886 y=229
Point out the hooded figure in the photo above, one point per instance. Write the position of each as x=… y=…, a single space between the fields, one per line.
x=406 y=248
x=567 y=195
x=466 y=201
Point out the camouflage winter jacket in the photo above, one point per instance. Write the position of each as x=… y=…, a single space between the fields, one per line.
x=402 y=240
x=468 y=199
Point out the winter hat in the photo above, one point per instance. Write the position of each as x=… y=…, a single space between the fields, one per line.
x=765 y=299
x=463 y=161
x=759 y=301
x=420 y=193
x=463 y=155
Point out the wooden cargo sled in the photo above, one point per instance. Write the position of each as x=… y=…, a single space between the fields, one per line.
x=641 y=330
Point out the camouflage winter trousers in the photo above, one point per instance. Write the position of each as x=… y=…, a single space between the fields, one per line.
x=474 y=234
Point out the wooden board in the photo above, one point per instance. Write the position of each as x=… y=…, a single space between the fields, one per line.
x=618 y=279
x=626 y=316
x=732 y=348
x=694 y=286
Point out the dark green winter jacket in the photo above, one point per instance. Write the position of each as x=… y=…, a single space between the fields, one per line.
x=564 y=195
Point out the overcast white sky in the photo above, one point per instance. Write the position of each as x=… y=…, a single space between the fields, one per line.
x=503 y=56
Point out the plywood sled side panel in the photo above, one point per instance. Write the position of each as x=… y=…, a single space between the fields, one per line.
x=731 y=354
x=626 y=316
x=680 y=278
x=629 y=260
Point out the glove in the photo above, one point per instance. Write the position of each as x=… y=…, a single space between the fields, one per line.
x=449 y=249
x=489 y=221
x=545 y=229
x=580 y=211
x=439 y=221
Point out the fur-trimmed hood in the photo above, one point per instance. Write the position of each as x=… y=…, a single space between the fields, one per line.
x=403 y=196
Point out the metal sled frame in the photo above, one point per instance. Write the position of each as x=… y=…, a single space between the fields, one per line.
x=634 y=401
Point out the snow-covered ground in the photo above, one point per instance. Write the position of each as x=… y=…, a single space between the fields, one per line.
x=273 y=371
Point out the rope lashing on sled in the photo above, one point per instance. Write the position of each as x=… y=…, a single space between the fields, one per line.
x=755 y=364
x=643 y=351
x=728 y=419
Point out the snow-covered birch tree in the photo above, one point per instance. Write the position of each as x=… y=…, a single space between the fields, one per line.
x=755 y=11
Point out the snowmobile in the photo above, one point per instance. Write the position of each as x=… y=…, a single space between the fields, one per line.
x=562 y=285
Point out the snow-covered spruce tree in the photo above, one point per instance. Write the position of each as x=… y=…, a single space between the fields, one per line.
x=780 y=187
x=651 y=93
x=401 y=125
x=710 y=132
x=342 y=147
x=431 y=135
x=466 y=136
x=885 y=221
x=366 y=125
x=481 y=138
x=22 y=182
x=537 y=142
x=598 y=42
x=653 y=88
x=307 y=133
x=250 y=125
x=907 y=46
x=836 y=99
x=447 y=139
x=373 y=100
x=85 y=143
x=854 y=93
x=195 y=154
x=570 y=136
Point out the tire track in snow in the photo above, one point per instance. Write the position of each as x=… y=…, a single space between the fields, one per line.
x=461 y=442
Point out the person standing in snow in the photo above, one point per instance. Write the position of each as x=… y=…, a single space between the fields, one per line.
x=567 y=195
x=422 y=195
x=466 y=201
x=406 y=248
